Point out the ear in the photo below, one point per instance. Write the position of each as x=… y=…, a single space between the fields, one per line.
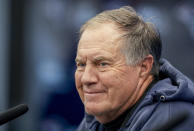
x=146 y=66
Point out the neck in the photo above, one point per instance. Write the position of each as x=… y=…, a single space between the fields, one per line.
x=143 y=86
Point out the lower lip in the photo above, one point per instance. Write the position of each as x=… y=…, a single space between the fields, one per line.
x=92 y=96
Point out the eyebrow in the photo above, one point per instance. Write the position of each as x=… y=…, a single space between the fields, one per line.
x=78 y=60
x=98 y=58
x=101 y=58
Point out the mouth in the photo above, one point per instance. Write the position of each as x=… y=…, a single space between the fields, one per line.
x=93 y=91
x=93 y=95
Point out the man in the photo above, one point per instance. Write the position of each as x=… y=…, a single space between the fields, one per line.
x=122 y=81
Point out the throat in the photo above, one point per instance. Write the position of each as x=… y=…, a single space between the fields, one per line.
x=115 y=124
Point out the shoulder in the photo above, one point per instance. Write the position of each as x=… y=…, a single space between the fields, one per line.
x=179 y=113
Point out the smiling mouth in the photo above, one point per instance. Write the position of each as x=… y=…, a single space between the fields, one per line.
x=93 y=96
x=93 y=92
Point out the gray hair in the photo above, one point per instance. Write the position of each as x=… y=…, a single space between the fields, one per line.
x=139 y=39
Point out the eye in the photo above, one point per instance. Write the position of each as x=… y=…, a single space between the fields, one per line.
x=81 y=64
x=103 y=64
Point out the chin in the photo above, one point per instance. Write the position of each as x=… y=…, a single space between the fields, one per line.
x=95 y=110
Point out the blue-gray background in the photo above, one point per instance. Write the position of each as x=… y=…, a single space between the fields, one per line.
x=38 y=41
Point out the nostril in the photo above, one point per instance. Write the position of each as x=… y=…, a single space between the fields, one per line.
x=89 y=77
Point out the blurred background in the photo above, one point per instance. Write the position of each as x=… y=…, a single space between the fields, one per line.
x=38 y=41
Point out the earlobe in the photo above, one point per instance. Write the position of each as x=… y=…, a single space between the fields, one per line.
x=146 y=65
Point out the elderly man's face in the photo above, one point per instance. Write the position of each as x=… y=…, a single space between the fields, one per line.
x=105 y=83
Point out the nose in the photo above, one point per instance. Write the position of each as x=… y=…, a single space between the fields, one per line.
x=89 y=76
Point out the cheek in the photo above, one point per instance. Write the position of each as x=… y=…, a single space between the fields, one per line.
x=116 y=78
x=114 y=83
x=79 y=85
x=77 y=79
x=120 y=85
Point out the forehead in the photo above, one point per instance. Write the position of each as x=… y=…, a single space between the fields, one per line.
x=101 y=36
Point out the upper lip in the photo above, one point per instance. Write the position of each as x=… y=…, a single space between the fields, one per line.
x=93 y=91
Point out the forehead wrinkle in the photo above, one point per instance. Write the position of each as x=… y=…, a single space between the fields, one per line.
x=106 y=39
x=115 y=45
x=111 y=35
x=107 y=54
x=99 y=55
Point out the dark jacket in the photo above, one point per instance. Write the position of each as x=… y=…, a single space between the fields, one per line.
x=168 y=99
